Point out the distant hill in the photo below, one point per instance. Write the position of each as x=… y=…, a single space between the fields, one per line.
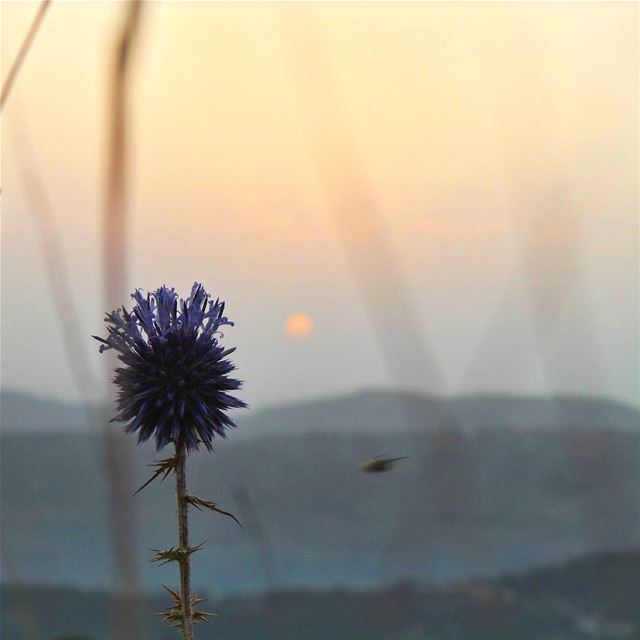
x=384 y=410
x=365 y=411
x=512 y=493
x=587 y=598
x=25 y=412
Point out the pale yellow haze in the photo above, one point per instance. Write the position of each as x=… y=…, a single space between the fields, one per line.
x=446 y=104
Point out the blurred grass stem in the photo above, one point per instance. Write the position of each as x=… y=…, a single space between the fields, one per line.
x=22 y=53
x=118 y=469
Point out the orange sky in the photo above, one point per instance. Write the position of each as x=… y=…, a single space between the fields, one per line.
x=258 y=129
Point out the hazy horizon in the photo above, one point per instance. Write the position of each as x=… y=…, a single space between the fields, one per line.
x=362 y=391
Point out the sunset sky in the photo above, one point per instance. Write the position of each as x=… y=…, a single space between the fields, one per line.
x=466 y=170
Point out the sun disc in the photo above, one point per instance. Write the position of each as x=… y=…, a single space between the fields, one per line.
x=298 y=325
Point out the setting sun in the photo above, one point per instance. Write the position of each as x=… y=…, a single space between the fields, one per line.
x=298 y=325
x=448 y=190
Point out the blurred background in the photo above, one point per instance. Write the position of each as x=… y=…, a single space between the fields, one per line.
x=424 y=220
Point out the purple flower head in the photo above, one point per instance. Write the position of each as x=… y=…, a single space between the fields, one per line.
x=175 y=380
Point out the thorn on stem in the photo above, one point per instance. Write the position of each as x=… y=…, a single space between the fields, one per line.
x=201 y=504
x=172 y=615
x=163 y=468
x=173 y=554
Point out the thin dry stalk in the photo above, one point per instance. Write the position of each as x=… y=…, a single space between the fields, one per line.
x=23 y=51
x=23 y=611
x=40 y=207
x=117 y=456
x=259 y=536
x=183 y=538
x=353 y=204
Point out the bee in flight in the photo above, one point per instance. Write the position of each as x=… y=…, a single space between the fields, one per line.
x=380 y=464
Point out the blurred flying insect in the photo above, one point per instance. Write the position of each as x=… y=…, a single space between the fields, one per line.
x=380 y=464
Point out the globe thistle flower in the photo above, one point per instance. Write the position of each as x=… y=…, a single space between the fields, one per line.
x=175 y=380
x=174 y=385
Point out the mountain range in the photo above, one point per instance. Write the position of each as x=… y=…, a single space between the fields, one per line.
x=373 y=410
x=590 y=597
x=495 y=484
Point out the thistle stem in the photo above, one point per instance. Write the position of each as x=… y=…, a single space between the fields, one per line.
x=183 y=532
